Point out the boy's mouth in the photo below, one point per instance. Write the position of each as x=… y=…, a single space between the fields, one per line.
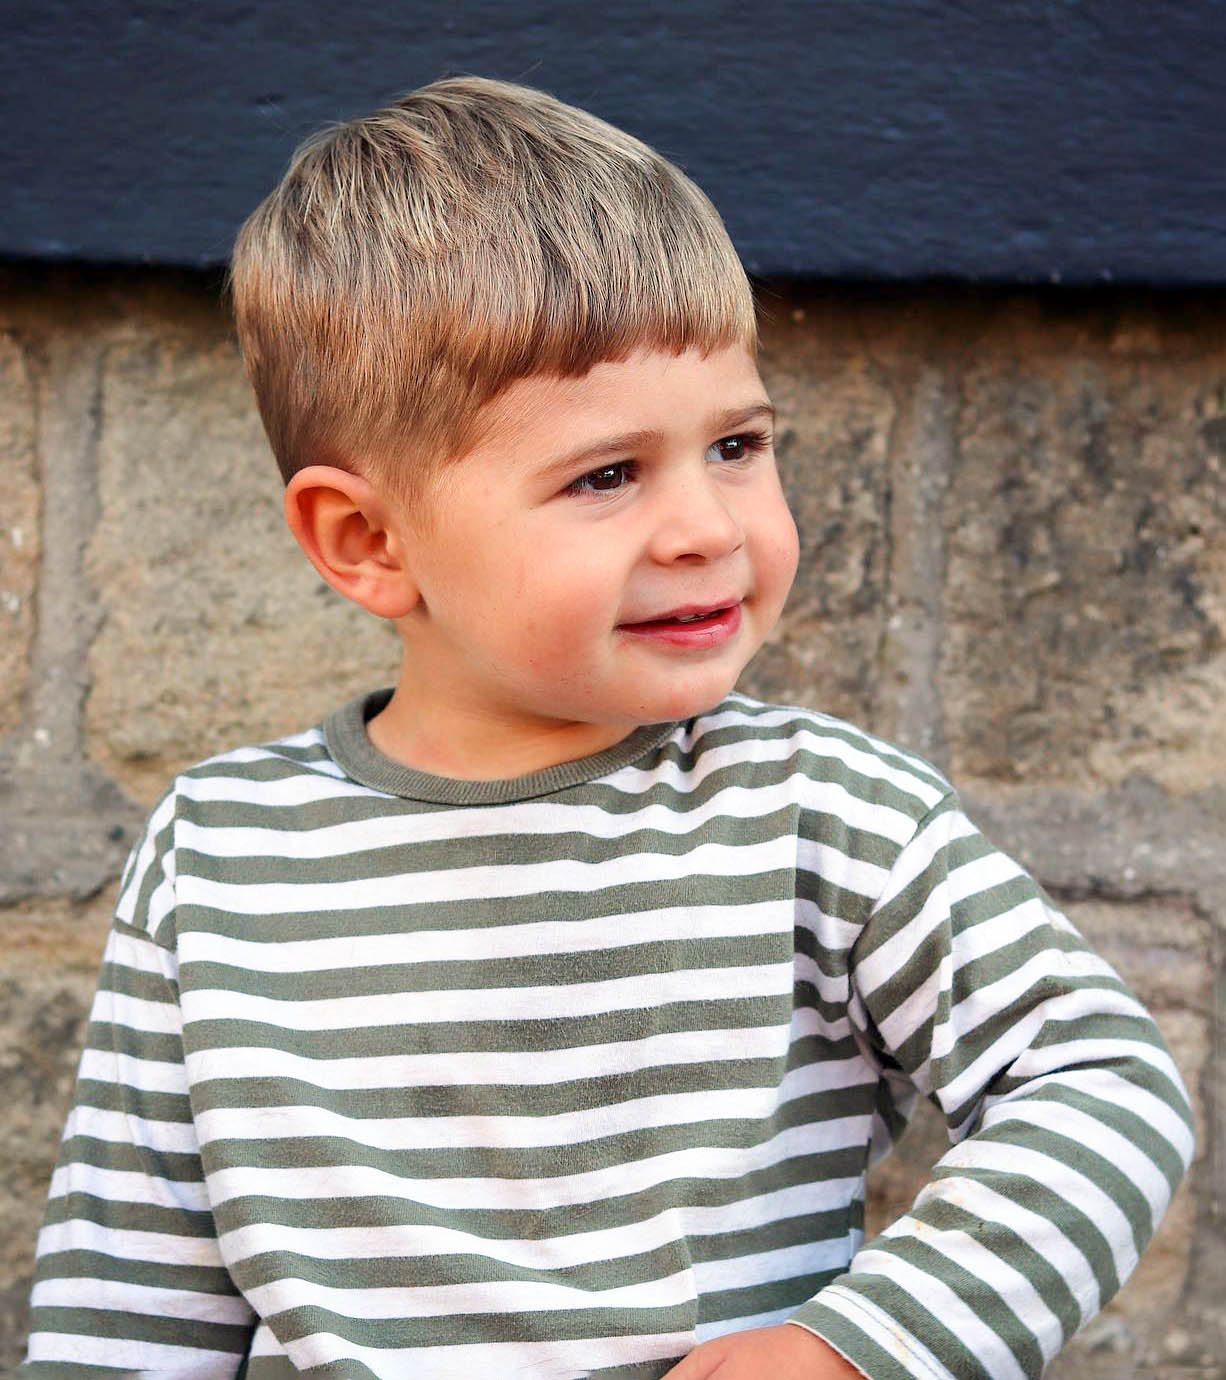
x=691 y=625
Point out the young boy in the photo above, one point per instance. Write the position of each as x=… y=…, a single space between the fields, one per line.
x=540 y=1016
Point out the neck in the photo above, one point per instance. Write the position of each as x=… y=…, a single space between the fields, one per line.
x=480 y=745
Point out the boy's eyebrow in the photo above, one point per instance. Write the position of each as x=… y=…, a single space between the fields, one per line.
x=720 y=424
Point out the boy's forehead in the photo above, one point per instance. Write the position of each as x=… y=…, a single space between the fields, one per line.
x=650 y=389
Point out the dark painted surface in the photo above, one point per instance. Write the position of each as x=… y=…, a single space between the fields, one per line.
x=1074 y=140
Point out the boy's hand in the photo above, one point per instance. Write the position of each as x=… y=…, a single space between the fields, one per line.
x=785 y=1352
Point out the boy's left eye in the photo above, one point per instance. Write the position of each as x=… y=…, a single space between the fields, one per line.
x=732 y=448
x=743 y=446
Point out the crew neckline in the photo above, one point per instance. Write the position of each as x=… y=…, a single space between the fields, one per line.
x=351 y=748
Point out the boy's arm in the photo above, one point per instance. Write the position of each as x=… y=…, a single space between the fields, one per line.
x=1070 y=1124
x=129 y=1277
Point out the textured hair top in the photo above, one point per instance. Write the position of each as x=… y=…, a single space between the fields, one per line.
x=414 y=263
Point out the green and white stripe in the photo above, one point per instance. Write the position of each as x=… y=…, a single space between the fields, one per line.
x=389 y=1075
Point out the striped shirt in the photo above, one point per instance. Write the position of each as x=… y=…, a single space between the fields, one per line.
x=394 y=1076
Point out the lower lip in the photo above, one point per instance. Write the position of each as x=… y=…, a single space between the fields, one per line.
x=706 y=632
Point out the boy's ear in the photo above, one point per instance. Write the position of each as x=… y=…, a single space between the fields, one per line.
x=347 y=530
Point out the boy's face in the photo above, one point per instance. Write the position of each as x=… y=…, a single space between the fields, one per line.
x=610 y=554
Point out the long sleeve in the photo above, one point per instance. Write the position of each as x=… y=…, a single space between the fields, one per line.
x=1069 y=1122
x=129 y=1276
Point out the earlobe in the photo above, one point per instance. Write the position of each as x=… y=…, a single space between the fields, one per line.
x=348 y=532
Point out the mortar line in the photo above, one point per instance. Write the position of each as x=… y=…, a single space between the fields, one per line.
x=920 y=471
x=68 y=392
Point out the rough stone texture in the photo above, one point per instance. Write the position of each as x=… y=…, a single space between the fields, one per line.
x=1013 y=521
x=48 y=966
x=19 y=529
x=68 y=824
x=1086 y=600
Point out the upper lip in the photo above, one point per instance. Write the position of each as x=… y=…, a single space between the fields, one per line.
x=686 y=611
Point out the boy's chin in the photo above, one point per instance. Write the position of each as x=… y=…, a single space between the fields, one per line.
x=688 y=704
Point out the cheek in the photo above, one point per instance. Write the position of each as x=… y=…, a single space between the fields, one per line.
x=578 y=580
x=779 y=552
x=791 y=551
x=555 y=594
x=554 y=607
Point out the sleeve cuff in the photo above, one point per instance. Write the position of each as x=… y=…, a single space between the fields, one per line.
x=868 y=1337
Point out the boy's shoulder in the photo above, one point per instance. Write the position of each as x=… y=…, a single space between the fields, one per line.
x=302 y=752
x=817 y=746
x=269 y=770
x=242 y=785
x=226 y=808
x=281 y=771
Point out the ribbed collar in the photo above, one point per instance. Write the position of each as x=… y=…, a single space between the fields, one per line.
x=350 y=745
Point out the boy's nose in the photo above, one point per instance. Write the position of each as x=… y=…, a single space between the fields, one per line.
x=696 y=522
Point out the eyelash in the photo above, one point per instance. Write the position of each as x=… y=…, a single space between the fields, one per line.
x=753 y=443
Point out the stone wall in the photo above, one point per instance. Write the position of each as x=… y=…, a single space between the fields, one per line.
x=1013 y=519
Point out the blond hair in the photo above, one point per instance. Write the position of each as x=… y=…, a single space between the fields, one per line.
x=414 y=263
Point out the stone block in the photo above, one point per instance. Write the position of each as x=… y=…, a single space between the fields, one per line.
x=217 y=631
x=835 y=418
x=1086 y=530
x=48 y=969
x=20 y=500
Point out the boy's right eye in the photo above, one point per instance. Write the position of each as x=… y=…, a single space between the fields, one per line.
x=607 y=479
